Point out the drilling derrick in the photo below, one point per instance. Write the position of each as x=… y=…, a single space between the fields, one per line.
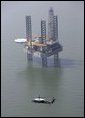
x=53 y=35
x=56 y=55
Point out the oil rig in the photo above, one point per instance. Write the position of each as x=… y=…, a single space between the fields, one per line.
x=43 y=46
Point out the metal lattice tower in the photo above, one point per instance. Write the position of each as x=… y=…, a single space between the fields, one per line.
x=28 y=28
x=43 y=38
x=43 y=31
x=55 y=28
x=51 y=25
x=29 y=36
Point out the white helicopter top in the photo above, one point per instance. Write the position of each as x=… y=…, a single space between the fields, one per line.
x=39 y=99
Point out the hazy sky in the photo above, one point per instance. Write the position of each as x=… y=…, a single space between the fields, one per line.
x=15 y=11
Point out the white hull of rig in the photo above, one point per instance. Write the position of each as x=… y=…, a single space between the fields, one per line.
x=35 y=54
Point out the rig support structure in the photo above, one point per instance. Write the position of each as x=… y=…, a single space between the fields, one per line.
x=29 y=37
x=45 y=47
x=43 y=37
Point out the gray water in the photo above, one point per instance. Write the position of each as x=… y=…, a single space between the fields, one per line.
x=21 y=80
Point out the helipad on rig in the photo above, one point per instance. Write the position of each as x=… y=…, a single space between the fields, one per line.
x=43 y=46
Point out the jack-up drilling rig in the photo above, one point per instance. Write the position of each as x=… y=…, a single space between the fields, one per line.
x=45 y=47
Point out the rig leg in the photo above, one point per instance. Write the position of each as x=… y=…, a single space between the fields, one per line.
x=56 y=59
x=29 y=56
x=44 y=61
